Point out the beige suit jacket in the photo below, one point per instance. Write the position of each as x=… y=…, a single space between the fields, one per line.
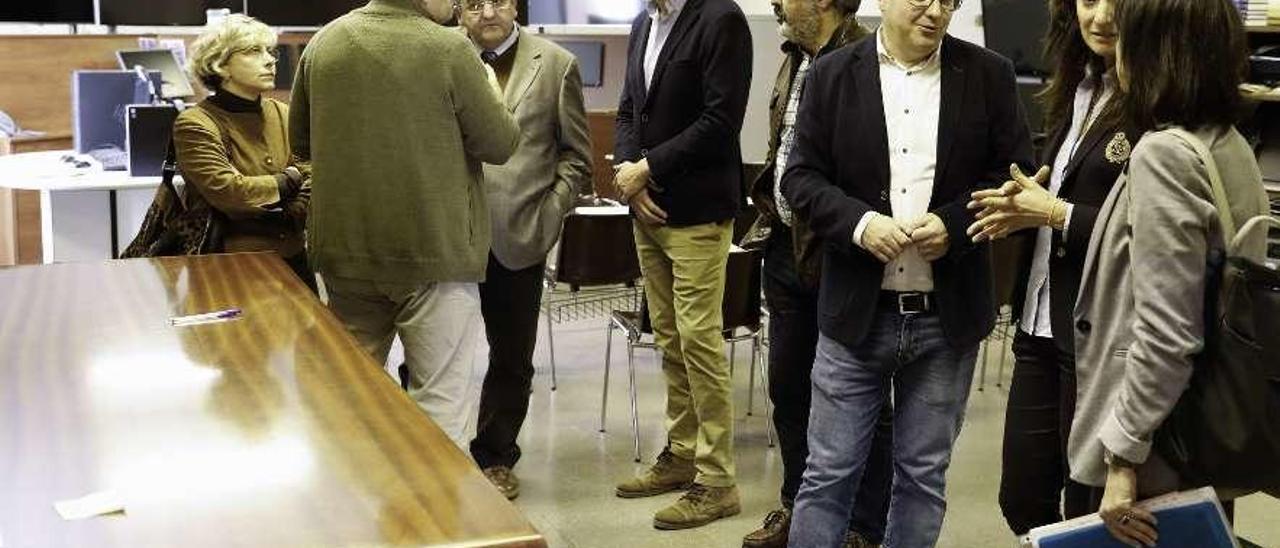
x=530 y=194
x=1139 y=317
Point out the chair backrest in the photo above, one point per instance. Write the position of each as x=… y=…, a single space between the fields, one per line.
x=745 y=218
x=1006 y=255
x=741 y=304
x=597 y=250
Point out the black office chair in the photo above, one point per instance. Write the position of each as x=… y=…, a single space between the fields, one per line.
x=742 y=322
x=1006 y=255
x=596 y=251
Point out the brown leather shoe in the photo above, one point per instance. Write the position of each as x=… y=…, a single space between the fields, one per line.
x=669 y=473
x=854 y=540
x=505 y=480
x=701 y=505
x=773 y=534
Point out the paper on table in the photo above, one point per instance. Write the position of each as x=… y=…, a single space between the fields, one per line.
x=97 y=504
x=602 y=210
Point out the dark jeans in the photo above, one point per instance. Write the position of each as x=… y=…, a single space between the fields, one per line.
x=509 y=302
x=793 y=338
x=1034 y=479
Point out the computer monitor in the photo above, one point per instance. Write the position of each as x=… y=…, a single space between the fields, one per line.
x=584 y=12
x=47 y=11
x=162 y=12
x=590 y=56
x=148 y=130
x=292 y=13
x=99 y=101
x=174 y=81
x=1016 y=29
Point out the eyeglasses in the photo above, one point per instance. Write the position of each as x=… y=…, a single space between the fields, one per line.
x=476 y=7
x=257 y=51
x=947 y=5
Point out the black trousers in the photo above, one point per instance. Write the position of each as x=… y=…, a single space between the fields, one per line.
x=509 y=302
x=1034 y=478
x=793 y=340
x=298 y=264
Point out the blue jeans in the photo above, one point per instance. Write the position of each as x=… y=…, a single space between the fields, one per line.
x=930 y=383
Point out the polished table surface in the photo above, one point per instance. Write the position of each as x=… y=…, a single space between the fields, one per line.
x=271 y=430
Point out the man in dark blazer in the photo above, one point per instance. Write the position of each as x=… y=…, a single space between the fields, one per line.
x=893 y=136
x=681 y=110
x=529 y=197
x=792 y=268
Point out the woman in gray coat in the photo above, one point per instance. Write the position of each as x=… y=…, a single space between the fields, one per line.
x=1139 y=318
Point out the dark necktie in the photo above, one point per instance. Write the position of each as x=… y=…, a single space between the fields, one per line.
x=488 y=57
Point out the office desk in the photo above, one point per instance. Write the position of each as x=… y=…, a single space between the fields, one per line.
x=271 y=430
x=86 y=214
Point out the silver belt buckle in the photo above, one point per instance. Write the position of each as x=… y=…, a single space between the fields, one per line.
x=902 y=303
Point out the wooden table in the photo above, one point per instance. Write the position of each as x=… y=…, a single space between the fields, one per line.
x=271 y=430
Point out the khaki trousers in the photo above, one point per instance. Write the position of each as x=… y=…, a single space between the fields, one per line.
x=440 y=327
x=684 y=270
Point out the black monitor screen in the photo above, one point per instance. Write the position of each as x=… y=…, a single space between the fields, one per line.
x=590 y=60
x=47 y=11
x=293 y=13
x=1016 y=29
x=161 y=12
x=584 y=12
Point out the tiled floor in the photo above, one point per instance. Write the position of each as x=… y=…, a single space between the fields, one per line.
x=569 y=467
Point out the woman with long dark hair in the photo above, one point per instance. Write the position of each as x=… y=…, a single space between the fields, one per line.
x=1087 y=149
x=1139 y=318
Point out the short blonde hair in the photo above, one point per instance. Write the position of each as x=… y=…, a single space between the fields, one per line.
x=216 y=45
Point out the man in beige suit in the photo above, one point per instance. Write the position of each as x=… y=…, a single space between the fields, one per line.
x=528 y=199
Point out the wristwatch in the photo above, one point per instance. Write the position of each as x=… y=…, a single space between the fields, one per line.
x=1113 y=459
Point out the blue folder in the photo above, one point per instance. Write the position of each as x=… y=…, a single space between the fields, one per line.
x=1190 y=519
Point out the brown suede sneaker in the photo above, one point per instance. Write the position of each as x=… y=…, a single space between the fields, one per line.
x=700 y=506
x=669 y=473
x=505 y=480
x=854 y=540
x=773 y=534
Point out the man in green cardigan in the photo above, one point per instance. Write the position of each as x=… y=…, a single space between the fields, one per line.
x=396 y=114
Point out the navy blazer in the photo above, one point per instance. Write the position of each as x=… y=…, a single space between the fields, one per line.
x=839 y=170
x=687 y=123
x=1085 y=184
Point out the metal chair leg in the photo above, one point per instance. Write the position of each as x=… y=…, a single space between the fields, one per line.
x=635 y=413
x=764 y=389
x=982 y=370
x=732 y=346
x=608 y=354
x=551 y=348
x=751 y=375
x=1004 y=354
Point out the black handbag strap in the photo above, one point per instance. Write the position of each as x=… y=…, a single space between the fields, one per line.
x=170 y=169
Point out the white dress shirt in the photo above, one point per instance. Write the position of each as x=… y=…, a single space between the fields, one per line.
x=1035 y=314
x=659 y=30
x=912 y=97
x=506 y=44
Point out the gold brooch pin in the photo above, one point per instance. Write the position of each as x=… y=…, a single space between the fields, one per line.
x=1118 y=149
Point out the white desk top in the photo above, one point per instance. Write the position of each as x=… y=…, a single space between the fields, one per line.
x=46 y=171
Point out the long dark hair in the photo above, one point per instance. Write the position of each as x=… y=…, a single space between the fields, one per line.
x=1069 y=56
x=1184 y=60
